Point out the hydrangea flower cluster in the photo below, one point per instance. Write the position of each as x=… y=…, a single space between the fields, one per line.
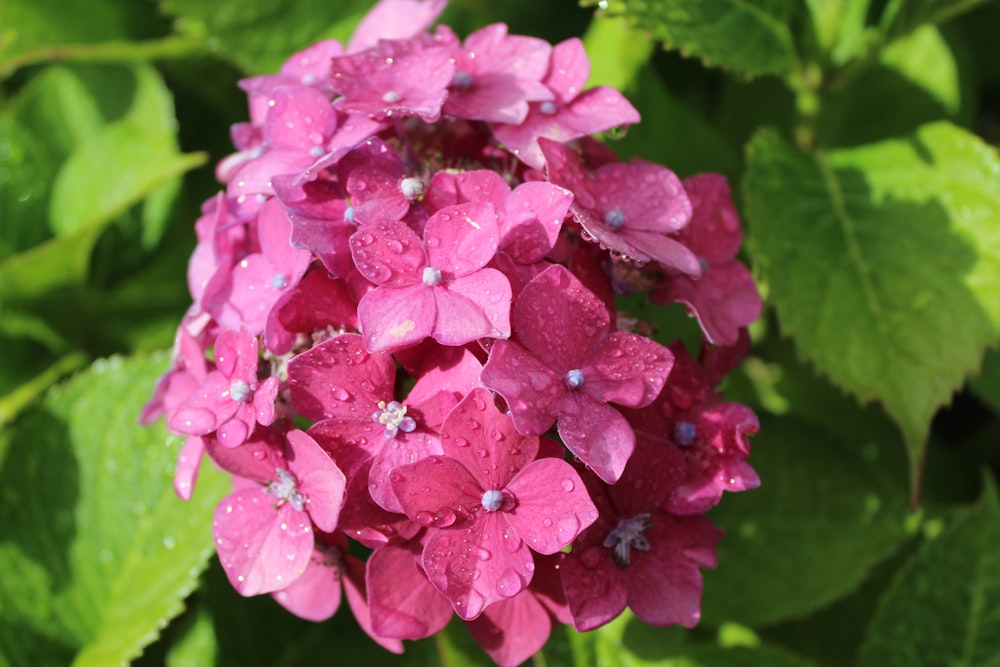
x=405 y=349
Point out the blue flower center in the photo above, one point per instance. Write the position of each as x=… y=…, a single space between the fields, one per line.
x=285 y=489
x=239 y=391
x=685 y=433
x=574 y=378
x=492 y=500
x=627 y=535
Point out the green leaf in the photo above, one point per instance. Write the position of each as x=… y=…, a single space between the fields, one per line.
x=914 y=81
x=827 y=511
x=258 y=37
x=25 y=173
x=97 y=553
x=751 y=39
x=617 y=52
x=987 y=385
x=944 y=607
x=31 y=28
x=839 y=28
x=900 y=18
x=883 y=263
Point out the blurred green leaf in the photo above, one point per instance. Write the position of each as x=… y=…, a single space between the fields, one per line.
x=750 y=39
x=260 y=36
x=97 y=553
x=987 y=385
x=822 y=500
x=839 y=28
x=914 y=81
x=900 y=18
x=883 y=263
x=944 y=606
x=617 y=52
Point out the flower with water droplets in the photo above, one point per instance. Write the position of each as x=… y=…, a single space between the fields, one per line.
x=491 y=499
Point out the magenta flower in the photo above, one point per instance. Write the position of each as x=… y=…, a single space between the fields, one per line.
x=230 y=401
x=724 y=298
x=489 y=499
x=637 y=555
x=439 y=286
x=264 y=530
x=571 y=114
x=567 y=364
x=628 y=208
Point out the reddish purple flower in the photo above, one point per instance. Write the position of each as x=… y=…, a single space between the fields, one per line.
x=439 y=286
x=230 y=401
x=724 y=298
x=571 y=114
x=490 y=499
x=264 y=529
x=567 y=364
x=629 y=208
x=637 y=555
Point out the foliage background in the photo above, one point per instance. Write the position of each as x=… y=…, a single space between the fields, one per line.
x=860 y=137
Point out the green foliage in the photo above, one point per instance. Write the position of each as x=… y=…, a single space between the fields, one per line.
x=859 y=137
x=893 y=288
x=100 y=568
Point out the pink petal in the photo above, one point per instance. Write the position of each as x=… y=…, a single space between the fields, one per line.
x=568 y=70
x=314 y=596
x=725 y=300
x=357 y=599
x=512 y=630
x=461 y=239
x=395 y=19
x=530 y=220
x=448 y=188
x=436 y=491
x=472 y=307
x=188 y=463
x=257 y=459
x=299 y=118
x=531 y=389
x=319 y=479
x=594 y=587
x=553 y=505
x=340 y=378
x=478 y=567
x=628 y=369
x=597 y=433
x=262 y=549
x=388 y=253
x=395 y=318
x=649 y=196
x=715 y=232
x=404 y=603
x=403 y=449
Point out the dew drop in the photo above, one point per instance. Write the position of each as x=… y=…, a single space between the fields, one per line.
x=567 y=485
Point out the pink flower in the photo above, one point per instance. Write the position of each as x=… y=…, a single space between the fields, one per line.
x=636 y=555
x=571 y=114
x=438 y=287
x=567 y=364
x=489 y=498
x=263 y=530
x=230 y=401
x=628 y=208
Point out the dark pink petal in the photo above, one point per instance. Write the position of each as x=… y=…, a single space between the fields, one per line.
x=389 y=254
x=715 y=232
x=373 y=173
x=553 y=505
x=262 y=548
x=318 y=479
x=478 y=567
x=532 y=390
x=512 y=630
x=725 y=300
x=314 y=596
x=404 y=603
x=357 y=600
x=395 y=19
x=395 y=318
x=263 y=401
x=485 y=442
x=559 y=320
x=664 y=583
x=318 y=302
x=472 y=307
x=627 y=369
x=436 y=491
x=236 y=355
x=256 y=459
x=446 y=375
x=253 y=178
x=650 y=197
x=461 y=239
x=597 y=433
x=594 y=587
x=530 y=220
x=448 y=189
x=403 y=449
x=340 y=378
x=365 y=521
x=654 y=471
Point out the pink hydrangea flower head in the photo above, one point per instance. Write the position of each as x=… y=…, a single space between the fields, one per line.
x=264 y=531
x=438 y=286
x=567 y=364
x=489 y=499
x=394 y=19
x=230 y=401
